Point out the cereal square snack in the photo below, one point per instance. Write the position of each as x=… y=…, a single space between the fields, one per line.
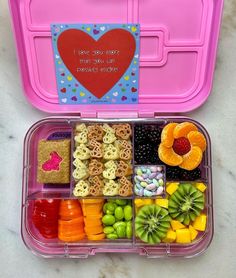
x=53 y=161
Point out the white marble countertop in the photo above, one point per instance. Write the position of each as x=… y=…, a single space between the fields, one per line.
x=218 y=115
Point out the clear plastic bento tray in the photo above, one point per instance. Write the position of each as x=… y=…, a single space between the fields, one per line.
x=62 y=127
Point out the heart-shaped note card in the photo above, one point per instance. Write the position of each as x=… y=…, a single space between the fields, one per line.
x=96 y=64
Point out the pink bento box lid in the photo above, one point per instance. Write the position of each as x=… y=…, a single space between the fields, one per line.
x=178 y=51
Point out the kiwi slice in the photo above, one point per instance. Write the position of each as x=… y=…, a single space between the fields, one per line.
x=152 y=223
x=186 y=203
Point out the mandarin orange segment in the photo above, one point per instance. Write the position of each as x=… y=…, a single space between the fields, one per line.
x=168 y=156
x=167 y=137
x=192 y=159
x=196 y=138
x=182 y=130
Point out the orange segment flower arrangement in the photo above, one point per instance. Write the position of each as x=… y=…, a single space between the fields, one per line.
x=182 y=145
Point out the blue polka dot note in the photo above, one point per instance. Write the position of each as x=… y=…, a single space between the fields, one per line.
x=97 y=63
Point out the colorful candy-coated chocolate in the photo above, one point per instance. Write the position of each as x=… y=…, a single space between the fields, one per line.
x=149 y=181
x=151 y=186
x=143 y=184
x=160 y=190
x=139 y=172
x=136 y=179
x=140 y=178
x=152 y=176
x=141 y=192
x=147 y=193
x=138 y=192
x=145 y=176
x=143 y=169
x=155 y=182
x=148 y=172
x=159 y=176
x=138 y=185
x=153 y=169
x=161 y=182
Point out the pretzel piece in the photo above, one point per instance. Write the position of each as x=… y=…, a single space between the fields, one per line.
x=95 y=132
x=80 y=174
x=95 y=167
x=81 y=189
x=126 y=154
x=80 y=127
x=109 y=173
x=123 y=169
x=111 y=188
x=126 y=187
x=96 y=186
x=111 y=152
x=81 y=138
x=82 y=152
x=124 y=131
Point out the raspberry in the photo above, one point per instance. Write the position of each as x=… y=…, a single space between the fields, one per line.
x=181 y=146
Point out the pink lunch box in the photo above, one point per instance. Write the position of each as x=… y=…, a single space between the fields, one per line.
x=178 y=53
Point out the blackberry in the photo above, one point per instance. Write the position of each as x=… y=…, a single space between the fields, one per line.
x=173 y=173
x=154 y=135
x=176 y=173
x=190 y=175
x=154 y=159
x=140 y=134
x=143 y=153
